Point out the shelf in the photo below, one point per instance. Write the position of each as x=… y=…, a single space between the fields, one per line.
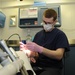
x=30 y=26
x=28 y=21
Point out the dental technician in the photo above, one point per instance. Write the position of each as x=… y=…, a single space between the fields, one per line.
x=48 y=47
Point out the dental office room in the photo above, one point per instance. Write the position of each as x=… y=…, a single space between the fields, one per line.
x=24 y=41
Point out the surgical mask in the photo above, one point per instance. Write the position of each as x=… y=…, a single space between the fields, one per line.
x=47 y=27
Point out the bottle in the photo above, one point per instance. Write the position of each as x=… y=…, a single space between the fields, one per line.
x=28 y=37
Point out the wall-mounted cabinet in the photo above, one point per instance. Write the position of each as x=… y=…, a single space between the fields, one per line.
x=32 y=17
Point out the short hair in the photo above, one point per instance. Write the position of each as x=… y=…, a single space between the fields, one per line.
x=50 y=13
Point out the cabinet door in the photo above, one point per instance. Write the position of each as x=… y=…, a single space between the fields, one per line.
x=70 y=62
x=28 y=17
x=40 y=14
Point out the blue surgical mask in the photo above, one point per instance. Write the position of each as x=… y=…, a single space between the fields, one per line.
x=47 y=27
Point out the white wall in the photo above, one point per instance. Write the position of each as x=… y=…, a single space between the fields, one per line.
x=67 y=19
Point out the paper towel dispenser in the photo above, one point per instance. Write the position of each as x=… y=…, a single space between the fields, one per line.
x=2 y=19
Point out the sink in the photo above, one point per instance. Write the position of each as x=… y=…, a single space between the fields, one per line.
x=12 y=42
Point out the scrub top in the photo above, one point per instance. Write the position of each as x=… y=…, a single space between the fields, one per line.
x=51 y=40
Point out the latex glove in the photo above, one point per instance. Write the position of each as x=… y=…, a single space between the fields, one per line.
x=34 y=47
x=31 y=54
x=22 y=46
x=24 y=49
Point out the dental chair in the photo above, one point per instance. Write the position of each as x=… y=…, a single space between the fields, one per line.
x=13 y=62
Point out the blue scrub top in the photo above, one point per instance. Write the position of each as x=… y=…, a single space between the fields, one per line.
x=51 y=40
